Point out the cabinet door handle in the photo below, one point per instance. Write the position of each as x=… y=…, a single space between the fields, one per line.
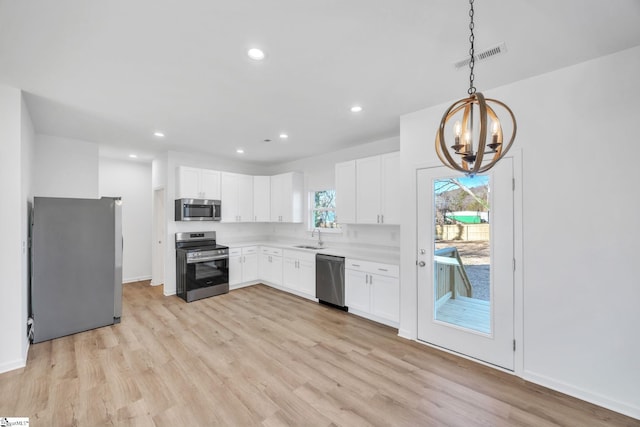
x=382 y=219
x=378 y=219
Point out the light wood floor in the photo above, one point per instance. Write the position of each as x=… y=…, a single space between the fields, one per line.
x=258 y=356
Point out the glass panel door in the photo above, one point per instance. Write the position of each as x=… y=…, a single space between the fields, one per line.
x=462 y=256
x=465 y=262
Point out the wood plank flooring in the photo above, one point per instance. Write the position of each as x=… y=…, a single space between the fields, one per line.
x=261 y=357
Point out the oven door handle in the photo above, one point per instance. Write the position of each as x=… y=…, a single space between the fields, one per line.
x=206 y=259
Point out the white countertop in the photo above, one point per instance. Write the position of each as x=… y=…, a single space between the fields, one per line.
x=385 y=256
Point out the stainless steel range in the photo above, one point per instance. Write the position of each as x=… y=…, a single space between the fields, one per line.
x=202 y=266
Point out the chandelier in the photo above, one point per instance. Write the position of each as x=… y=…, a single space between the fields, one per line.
x=472 y=120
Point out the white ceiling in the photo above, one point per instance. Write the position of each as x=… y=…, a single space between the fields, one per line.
x=114 y=71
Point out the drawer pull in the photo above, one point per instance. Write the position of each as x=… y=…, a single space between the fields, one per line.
x=383 y=269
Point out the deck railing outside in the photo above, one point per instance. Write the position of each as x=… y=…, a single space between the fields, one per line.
x=451 y=277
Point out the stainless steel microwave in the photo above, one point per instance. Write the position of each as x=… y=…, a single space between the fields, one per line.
x=198 y=210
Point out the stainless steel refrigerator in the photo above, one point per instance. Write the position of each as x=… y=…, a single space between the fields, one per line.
x=76 y=265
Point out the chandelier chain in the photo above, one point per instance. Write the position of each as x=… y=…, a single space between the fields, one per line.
x=472 y=60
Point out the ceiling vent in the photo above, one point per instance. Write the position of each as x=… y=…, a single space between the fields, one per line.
x=483 y=55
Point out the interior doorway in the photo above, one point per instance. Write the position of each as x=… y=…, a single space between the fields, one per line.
x=465 y=262
x=158 y=240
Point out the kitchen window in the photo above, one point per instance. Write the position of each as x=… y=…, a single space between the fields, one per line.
x=323 y=210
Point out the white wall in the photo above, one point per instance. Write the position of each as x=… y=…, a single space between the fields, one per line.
x=577 y=133
x=131 y=181
x=15 y=148
x=65 y=167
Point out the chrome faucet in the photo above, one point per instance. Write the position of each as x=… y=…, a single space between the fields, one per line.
x=320 y=242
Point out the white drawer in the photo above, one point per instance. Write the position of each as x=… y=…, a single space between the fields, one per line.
x=302 y=254
x=271 y=251
x=249 y=250
x=373 y=267
x=235 y=251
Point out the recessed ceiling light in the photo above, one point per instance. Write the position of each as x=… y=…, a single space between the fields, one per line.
x=158 y=134
x=240 y=151
x=284 y=136
x=133 y=156
x=255 y=54
x=356 y=109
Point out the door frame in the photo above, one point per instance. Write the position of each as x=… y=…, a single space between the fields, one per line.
x=518 y=276
x=158 y=234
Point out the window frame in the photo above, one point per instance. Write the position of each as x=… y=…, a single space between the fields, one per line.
x=313 y=209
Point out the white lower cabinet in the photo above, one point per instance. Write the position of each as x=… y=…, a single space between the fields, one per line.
x=299 y=272
x=270 y=265
x=243 y=266
x=373 y=291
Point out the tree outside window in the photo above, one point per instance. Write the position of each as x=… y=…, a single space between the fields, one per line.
x=323 y=209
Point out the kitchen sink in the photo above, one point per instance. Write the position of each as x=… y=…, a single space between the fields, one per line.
x=309 y=247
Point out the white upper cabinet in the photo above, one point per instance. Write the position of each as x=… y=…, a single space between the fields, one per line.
x=245 y=202
x=391 y=197
x=261 y=198
x=237 y=197
x=368 y=190
x=346 y=192
x=286 y=197
x=195 y=183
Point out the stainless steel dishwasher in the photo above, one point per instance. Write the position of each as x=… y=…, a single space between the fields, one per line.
x=330 y=280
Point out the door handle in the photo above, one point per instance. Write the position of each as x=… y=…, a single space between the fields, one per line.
x=422 y=263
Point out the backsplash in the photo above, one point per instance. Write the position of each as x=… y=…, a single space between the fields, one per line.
x=366 y=236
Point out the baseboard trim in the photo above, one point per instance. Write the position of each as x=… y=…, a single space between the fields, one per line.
x=243 y=285
x=406 y=334
x=582 y=394
x=13 y=365
x=135 y=279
